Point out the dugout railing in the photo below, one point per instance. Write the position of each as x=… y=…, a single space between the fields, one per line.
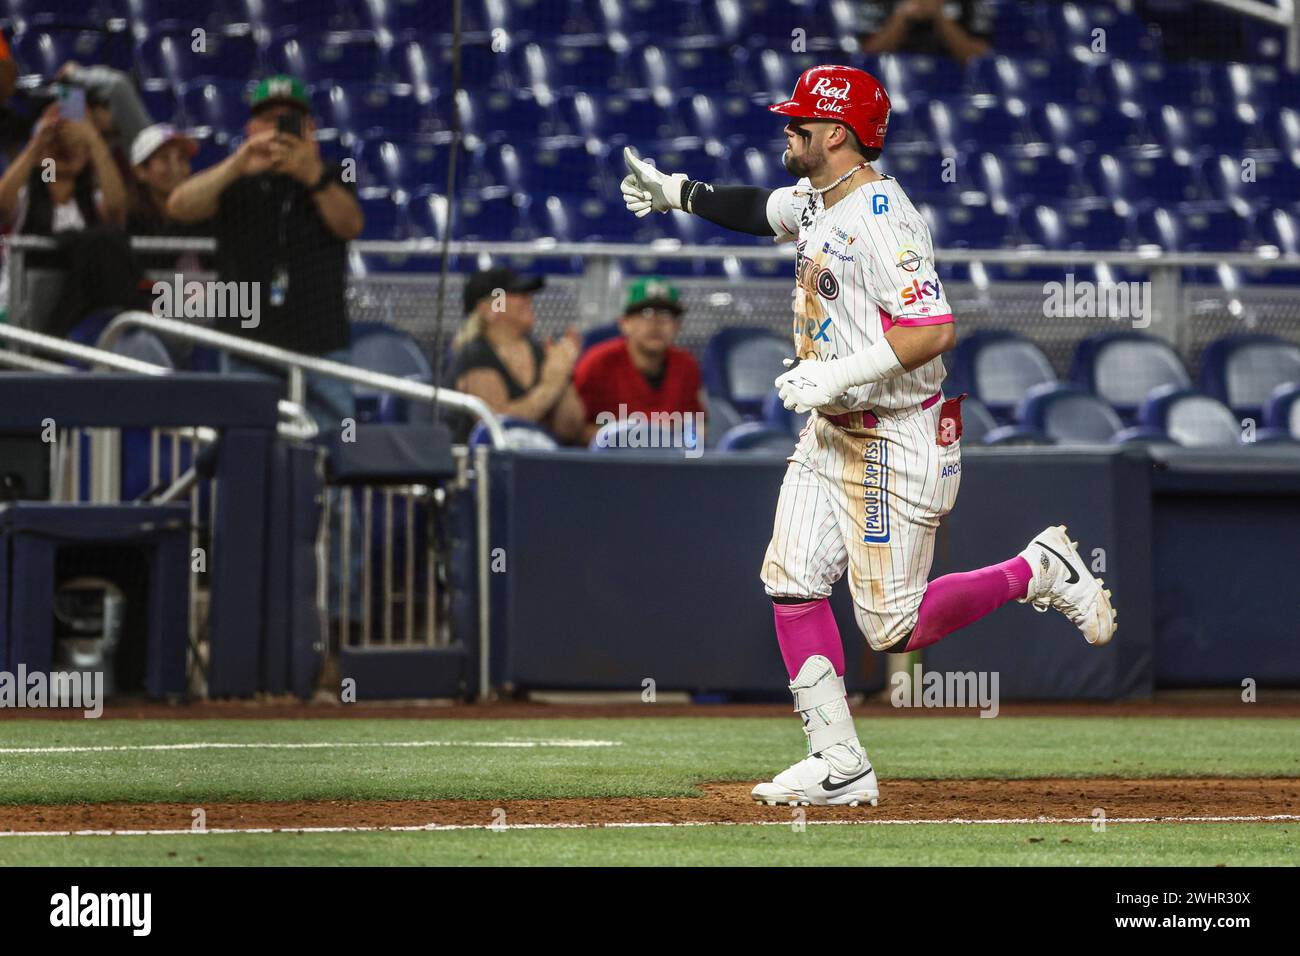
x=395 y=512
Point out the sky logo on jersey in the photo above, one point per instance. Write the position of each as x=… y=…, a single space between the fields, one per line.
x=879 y=203
x=875 y=489
x=918 y=291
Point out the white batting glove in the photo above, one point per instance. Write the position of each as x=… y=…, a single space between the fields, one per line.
x=646 y=188
x=810 y=384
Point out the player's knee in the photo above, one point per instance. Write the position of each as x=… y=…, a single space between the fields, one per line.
x=887 y=633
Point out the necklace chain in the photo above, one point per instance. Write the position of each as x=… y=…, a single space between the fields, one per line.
x=826 y=189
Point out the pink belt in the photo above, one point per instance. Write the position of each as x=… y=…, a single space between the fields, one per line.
x=868 y=419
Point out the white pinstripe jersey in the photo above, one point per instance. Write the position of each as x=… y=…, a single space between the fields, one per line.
x=863 y=266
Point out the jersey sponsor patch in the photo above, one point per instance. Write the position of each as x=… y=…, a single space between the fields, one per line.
x=908 y=260
x=918 y=290
x=875 y=488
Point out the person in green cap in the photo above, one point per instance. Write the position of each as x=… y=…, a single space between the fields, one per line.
x=283 y=218
x=641 y=371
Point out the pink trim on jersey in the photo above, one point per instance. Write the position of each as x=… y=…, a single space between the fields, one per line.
x=886 y=320
x=911 y=322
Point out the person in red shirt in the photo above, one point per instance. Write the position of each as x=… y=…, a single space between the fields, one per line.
x=642 y=370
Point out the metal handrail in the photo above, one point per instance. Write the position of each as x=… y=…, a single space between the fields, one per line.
x=296 y=363
x=618 y=250
x=297 y=422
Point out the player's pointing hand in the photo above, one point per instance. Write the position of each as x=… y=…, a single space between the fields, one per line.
x=646 y=188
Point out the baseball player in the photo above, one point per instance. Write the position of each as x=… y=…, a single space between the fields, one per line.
x=879 y=461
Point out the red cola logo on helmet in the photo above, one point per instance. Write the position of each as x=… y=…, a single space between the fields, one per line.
x=833 y=98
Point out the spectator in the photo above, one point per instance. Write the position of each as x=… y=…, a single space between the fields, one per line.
x=282 y=219
x=65 y=184
x=498 y=360
x=160 y=161
x=643 y=370
x=961 y=29
x=112 y=105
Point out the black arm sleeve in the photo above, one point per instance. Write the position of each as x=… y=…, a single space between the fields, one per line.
x=740 y=208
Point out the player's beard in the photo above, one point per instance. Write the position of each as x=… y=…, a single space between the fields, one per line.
x=805 y=164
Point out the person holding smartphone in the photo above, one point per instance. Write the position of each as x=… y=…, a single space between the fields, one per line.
x=282 y=217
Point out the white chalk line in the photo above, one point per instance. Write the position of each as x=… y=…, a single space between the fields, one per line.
x=446 y=827
x=318 y=745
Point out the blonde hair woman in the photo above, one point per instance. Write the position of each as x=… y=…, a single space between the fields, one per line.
x=498 y=360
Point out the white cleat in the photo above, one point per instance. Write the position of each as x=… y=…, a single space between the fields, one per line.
x=1061 y=580
x=841 y=776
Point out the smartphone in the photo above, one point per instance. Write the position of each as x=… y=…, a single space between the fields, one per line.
x=72 y=102
x=290 y=123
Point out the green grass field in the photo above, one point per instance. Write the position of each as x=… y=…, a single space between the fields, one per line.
x=502 y=760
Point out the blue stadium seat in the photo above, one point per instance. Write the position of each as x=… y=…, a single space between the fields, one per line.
x=976 y=421
x=1283 y=409
x=598 y=334
x=521 y=435
x=916 y=77
x=1068 y=415
x=319 y=57
x=741 y=363
x=69 y=14
x=495 y=214
x=757 y=438
x=1191 y=418
x=1018 y=30
x=1015 y=436
x=1152 y=84
x=1031 y=80
x=572 y=67
x=1077 y=225
x=632 y=437
x=778 y=416
x=1018 y=179
x=1072 y=26
x=221 y=105
x=1086 y=127
x=968 y=226
x=159 y=98
x=721 y=418
x=1194 y=227
x=1199 y=130
x=1242 y=371
x=1281 y=229
x=372 y=110
x=45 y=51
x=998 y=368
x=1143 y=179
x=972 y=122
x=688 y=70
x=377 y=347
x=775 y=72
x=676 y=22
x=385 y=215
x=731 y=118
x=171 y=56
x=1262 y=86
x=622 y=118
x=1122 y=368
x=1270 y=181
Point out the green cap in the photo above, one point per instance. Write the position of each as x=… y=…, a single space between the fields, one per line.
x=280 y=89
x=652 y=292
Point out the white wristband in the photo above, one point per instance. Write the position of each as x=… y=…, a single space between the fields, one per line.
x=875 y=363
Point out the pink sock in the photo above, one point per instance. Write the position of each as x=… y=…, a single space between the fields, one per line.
x=955 y=600
x=805 y=630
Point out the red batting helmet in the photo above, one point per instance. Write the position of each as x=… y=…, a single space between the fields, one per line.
x=844 y=93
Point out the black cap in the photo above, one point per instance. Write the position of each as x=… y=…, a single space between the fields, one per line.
x=482 y=284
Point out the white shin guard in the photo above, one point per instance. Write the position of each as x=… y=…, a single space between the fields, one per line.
x=820 y=701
